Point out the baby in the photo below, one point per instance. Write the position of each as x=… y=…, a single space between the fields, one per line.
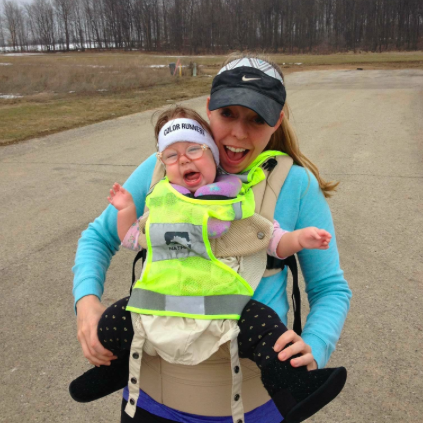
x=190 y=157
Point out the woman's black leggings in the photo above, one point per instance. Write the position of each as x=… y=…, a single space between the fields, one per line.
x=143 y=416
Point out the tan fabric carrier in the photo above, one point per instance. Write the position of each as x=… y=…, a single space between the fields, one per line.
x=206 y=388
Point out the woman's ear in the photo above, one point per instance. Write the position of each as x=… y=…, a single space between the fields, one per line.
x=207 y=108
x=281 y=117
x=278 y=123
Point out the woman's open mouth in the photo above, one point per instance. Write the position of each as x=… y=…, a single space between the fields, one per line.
x=192 y=178
x=235 y=154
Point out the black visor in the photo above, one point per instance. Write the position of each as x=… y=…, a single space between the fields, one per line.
x=249 y=87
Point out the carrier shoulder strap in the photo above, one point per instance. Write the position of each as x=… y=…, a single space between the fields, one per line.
x=266 y=195
x=267 y=192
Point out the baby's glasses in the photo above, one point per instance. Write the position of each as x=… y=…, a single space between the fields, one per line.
x=193 y=152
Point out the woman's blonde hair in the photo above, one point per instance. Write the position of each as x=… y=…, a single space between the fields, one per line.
x=284 y=138
x=174 y=112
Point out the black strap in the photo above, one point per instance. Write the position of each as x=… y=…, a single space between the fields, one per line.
x=270 y=164
x=291 y=262
x=140 y=255
x=213 y=197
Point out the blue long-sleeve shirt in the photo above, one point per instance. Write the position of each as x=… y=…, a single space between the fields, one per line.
x=300 y=204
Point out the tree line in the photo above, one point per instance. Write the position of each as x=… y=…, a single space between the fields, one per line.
x=213 y=26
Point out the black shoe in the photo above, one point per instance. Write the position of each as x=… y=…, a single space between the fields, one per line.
x=100 y=381
x=298 y=393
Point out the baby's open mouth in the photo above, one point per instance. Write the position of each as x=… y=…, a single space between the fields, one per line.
x=192 y=178
x=235 y=153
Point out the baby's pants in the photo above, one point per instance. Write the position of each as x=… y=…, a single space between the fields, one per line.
x=115 y=330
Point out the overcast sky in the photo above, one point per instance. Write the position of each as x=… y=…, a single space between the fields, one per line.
x=22 y=1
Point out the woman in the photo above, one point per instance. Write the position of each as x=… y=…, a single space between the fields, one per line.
x=246 y=117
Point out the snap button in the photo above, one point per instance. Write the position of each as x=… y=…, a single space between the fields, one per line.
x=239 y=421
x=132 y=401
x=236 y=369
x=260 y=235
x=133 y=380
x=136 y=356
x=236 y=397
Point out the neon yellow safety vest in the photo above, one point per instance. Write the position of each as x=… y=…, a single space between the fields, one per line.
x=181 y=275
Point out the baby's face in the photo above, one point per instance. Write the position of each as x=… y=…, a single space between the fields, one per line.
x=191 y=174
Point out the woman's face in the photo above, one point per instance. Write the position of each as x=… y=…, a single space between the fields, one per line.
x=240 y=134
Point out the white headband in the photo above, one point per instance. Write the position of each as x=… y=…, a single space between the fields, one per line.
x=253 y=62
x=186 y=130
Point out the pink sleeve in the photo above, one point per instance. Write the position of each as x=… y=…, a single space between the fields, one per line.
x=278 y=233
x=131 y=238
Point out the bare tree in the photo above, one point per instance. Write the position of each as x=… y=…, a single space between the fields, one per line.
x=14 y=23
x=2 y=37
x=42 y=17
x=64 y=13
x=218 y=25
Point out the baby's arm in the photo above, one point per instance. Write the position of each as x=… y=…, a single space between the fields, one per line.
x=288 y=243
x=131 y=238
x=122 y=200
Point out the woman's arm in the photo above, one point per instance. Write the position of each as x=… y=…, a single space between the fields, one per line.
x=302 y=204
x=98 y=243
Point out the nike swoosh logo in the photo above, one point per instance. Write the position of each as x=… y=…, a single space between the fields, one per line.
x=245 y=79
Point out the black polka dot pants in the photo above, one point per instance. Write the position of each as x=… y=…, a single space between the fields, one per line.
x=115 y=330
x=260 y=327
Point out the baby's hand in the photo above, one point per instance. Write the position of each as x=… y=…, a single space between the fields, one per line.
x=120 y=198
x=314 y=238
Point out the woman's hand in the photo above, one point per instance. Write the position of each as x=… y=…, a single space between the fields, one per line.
x=89 y=310
x=298 y=347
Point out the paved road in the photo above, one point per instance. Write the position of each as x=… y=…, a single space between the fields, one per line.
x=363 y=128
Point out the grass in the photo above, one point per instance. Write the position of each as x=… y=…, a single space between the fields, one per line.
x=63 y=91
x=22 y=119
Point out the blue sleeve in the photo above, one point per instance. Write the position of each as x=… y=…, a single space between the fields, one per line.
x=100 y=241
x=302 y=204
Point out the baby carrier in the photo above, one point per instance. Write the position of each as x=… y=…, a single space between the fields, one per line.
x=172 y=254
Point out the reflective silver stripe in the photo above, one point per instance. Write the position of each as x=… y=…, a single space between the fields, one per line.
x=211 y=306
x=177 y=241
x=226 y=304
x=149 y=300
x=194 y=305
x=238 y=210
